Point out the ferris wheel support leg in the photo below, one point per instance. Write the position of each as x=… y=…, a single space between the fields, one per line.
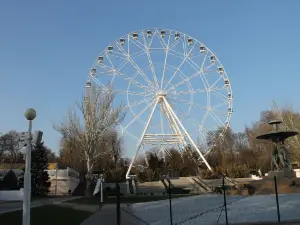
x=173 y=126
x=186 y=133
x=141 y=140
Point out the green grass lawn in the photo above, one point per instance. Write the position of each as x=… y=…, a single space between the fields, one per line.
x=47 y=215
x=126 y=199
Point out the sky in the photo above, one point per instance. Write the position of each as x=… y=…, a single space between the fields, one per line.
x=48 y=47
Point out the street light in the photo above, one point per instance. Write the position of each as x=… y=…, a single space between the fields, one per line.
x=30 y=115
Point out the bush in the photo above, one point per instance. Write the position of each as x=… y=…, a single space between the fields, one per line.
x=110 y=192
x=207 y=174
x=10 y=181
x=238 y=171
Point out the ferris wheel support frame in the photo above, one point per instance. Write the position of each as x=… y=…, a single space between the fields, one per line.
x=169 y=113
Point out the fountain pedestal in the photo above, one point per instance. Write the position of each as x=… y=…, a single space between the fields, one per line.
x=285 y=173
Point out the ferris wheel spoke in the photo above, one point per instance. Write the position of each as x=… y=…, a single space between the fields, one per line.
x=191 y=77
x=118 y=55
x=174 y=44
x=187 y=102
x=109 y=60
x=175 y=54
x=190 y=87
x=200 y=128
x=122 y=75
x=204 y=118
x=145 y=88
x=172 y=89
x=128 y=106
x=215 y=107
x=184 y=45
x=193 y=91
x=220 y=112
x=150 y=42
x=136 y=42
x=165 y=63
x=183 y=81
x=193 y=122
x=216 y=89
x=99 y=83
x=143 y=75
x=122 y=64
x=216 y=118
x=183 y=61
x=162 y=41
x=196 y=55
x=164 y=69
x=219 y=95
x=151 y=63
x=134 y=93
x=188 y=84
x=211 y=86
x=202 y=76
x=132 y=81
x=137 y=116
x=128 y=133
x=161 y=114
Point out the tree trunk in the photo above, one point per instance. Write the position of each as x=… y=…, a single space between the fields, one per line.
x=89 y=181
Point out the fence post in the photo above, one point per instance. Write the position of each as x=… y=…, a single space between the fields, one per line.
x=225 y=204
x=118 y=204
x=170 y=203
x=277 y=202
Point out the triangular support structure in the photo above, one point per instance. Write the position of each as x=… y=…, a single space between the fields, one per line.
x=179 y=135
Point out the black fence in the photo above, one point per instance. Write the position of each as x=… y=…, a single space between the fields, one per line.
x=227 y=205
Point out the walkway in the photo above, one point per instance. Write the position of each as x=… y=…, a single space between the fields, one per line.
x=6 y=207
x=107 y=215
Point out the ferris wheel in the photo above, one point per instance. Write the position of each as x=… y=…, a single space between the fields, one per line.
x=173 y=88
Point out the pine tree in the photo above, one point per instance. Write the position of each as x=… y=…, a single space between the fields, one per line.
x=10 y=181
x=39 y=176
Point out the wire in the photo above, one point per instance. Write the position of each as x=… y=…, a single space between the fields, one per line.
x=135 y=216
x=210 y=210
x=219 y=216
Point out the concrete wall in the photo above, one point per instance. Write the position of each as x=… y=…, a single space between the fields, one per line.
x=63 y=180
x=297 y=172
x=16 y=195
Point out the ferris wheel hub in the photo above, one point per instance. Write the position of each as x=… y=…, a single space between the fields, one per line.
x=160 y=95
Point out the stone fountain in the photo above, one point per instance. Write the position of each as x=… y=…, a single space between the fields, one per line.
x=280 y=164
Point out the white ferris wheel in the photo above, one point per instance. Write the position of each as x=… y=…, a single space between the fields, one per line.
x=173 y=88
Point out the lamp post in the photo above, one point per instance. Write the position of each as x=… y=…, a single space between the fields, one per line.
x=30 y=114
x=101 y=187
x=170 y=198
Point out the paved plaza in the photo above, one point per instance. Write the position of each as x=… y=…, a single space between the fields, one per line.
x=190 y=211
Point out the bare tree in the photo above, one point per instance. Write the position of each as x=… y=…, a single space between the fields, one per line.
x=10 y=147
x=71 y=155
x=116 y=151
x=99 y=115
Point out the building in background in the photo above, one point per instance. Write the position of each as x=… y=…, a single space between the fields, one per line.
x=63 y=181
